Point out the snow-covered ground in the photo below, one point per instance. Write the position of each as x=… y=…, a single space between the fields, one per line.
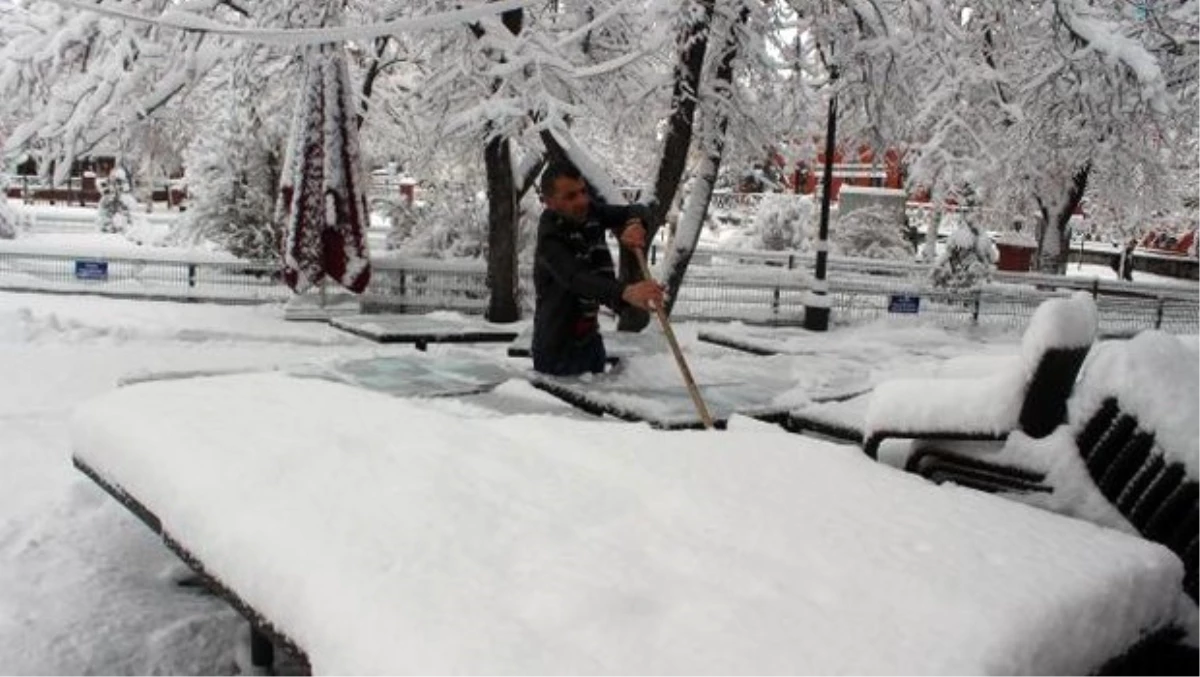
x=86 y=588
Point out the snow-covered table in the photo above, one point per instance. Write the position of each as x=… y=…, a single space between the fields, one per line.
x=415 y=375
x=386 y=535
x=424 y=329
x=666 y=405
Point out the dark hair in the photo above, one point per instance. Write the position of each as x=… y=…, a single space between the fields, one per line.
x=557 y=170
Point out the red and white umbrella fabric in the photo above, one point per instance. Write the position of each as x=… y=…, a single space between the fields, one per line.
x=324 y=208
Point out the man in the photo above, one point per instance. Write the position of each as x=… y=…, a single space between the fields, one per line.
x=573 y=273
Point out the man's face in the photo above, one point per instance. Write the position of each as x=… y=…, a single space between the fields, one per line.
x=569 y=198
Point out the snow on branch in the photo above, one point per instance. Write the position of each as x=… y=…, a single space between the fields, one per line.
x=593 y=24
x=1105 y=38
x=188 y=21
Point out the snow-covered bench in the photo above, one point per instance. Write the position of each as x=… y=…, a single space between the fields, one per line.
x=380 y=534
x=1031 y=398
x=1128 y=453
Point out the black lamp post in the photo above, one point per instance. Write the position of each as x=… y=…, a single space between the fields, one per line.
x=816 y=310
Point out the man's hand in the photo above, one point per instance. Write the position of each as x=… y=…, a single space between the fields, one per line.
x=634 y=235
x=646 y=295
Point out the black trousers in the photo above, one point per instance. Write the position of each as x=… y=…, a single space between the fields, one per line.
x=579 y=356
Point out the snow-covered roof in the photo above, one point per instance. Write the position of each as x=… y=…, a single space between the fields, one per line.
x=872 y=190
x=390 y=535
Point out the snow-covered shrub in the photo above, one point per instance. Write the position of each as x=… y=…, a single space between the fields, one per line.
x=8 y=216
x=870 y=232
x=968 y=260
x=115 y=212
x=783 y=221
x=403 y=217
x=452 y=225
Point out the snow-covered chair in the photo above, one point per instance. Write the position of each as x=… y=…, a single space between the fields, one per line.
x=1031 y=398
x=1127 y=456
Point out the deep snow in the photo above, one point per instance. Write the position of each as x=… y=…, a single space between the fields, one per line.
x=86 y=588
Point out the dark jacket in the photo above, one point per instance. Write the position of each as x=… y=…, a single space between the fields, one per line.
x=573 y=275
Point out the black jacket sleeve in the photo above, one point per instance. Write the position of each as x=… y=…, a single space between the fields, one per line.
x=556 y=257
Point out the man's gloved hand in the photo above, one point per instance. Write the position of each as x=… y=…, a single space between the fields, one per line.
x=646 y=295
x=634 y=235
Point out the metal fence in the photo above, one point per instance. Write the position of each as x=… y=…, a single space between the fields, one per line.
x=154 y=277
x=777 y=294
x=1011 y=307
x=775 y=290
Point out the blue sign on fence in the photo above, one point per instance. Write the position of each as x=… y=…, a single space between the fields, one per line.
x=903 y=303
x=91 y=270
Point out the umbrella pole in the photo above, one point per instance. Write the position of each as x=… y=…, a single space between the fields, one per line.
x=694 y=391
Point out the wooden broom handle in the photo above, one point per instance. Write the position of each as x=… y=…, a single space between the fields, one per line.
x=697 y=400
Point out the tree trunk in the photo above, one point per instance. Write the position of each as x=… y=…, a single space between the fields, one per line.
x=502 y=232
x=698 y=200
x=502 y=279
x=691 y=45
x=1054 y=239
x=368 y=83
x=929 y=250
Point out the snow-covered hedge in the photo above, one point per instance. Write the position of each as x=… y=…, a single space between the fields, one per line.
x=783 y=222
x=872 y=233
x=789 y=222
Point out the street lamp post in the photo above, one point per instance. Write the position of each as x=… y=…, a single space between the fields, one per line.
x=816 y=308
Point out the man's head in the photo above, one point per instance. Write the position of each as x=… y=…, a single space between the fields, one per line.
x=565 y=192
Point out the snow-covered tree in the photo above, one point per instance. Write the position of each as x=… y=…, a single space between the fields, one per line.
x=115 y=211
x=73 y=78
x=968 y=260
x=733 y=114
x=1030 y=101
x=235 y=162
x=8 y=217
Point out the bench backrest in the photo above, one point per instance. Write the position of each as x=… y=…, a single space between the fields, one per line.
x=1045 y=405
x=1153 y=493
x=1053 y=349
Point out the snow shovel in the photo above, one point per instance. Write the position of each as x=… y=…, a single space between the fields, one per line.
x=701 y=409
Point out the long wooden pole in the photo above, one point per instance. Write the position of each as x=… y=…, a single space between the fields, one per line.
x=697 y=400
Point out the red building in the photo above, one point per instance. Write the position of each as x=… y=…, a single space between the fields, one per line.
x=860 y=168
